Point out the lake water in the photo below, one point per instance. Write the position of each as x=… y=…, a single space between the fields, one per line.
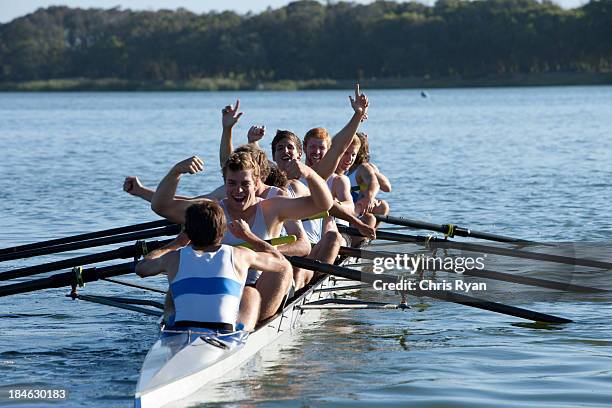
x=529 y=162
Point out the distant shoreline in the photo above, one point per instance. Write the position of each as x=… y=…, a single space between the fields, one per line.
x=239 y=84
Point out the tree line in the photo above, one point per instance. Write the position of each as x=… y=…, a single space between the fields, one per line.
x=310 y=40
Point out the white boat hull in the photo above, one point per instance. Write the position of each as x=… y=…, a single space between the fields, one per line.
x=175 y=368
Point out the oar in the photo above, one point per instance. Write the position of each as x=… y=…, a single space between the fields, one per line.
x=465 y=246
x=129 y=251
x=436 y=294
x=137 y=250
x=449 y=230
x=86 y=236
x=68 y=278
x=482 y=273
x=54 y=245
x=132 y=236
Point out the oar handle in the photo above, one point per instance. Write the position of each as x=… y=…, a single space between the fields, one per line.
x=288 y=239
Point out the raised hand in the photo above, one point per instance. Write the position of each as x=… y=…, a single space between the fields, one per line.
x=360 y=103
x=230 y=115
x=256 y=133
x=240 y=229
x=296 y=169
x=132 y=185
x=191 y=165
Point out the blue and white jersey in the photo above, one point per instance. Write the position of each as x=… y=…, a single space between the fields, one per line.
x=352 y=176
x=207 y=288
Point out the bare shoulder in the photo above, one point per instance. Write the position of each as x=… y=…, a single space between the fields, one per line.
x=243 y=257
x=242 y=252
x=170 y=263
x=342 y=180
x=372 y=166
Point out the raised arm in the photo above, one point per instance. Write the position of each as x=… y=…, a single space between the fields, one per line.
x=285 y=208
x=255 y=134
x=342 y=140
x=229 y=117
x=164 y=201
x=133 y=186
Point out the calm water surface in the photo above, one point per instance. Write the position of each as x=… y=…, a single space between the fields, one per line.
x=528 y=162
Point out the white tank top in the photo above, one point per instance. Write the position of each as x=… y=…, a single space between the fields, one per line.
x=258 y=227
x=273 y=191
x=207 y=288
x=313 y=228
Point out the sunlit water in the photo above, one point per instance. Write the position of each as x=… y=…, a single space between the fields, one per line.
x=529 y=162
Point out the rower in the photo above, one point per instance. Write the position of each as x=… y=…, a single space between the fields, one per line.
x=366 y=180
x=344 y=207
x=230 y=116
x=241 y=175
x=206 y=277
x=324 y=158
x=300 y=247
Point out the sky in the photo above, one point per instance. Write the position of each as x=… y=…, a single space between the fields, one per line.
x=10 y=9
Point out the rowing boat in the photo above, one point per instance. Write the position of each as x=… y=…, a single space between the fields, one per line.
x=183 y=362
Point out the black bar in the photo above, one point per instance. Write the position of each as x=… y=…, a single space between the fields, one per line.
x=67 y=279
x=438 y=294
x=488 y=274
x=470 y=247
x=173 y=229
x=125 y=252
x=446 y=229
x=86 y=236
